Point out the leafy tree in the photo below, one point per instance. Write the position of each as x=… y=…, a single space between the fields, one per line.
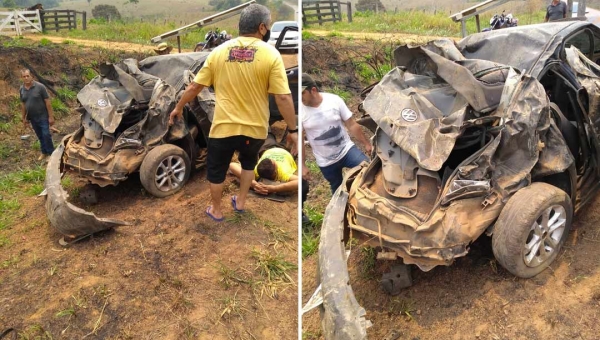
x=369 y=5
x=9 y=4
x=106 y=12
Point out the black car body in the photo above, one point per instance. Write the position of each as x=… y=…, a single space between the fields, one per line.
x=124 y=129
x=495 y=134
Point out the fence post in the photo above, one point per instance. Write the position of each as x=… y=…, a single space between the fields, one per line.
x=83 y=20
x=319 y=14
x=56 y=21
x=349 y=4
x=42 y=22
x=74 y=19
x=17 y=25
x=339 y=10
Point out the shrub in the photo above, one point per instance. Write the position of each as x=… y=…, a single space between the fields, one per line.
x=45 y=42
x=106 y=12
x=370 y=5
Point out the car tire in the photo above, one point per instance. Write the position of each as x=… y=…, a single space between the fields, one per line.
x=531 y=229
x=165 y=170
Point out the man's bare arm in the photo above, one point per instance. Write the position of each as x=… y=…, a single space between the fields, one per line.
x=358 y=134
x=23 y=113
x=285 y=104
x=50 y=112
x=191 y=91
x=290 y=186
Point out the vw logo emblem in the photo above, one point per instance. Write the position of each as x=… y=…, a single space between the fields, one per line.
x=409 y=115
x=102 y=102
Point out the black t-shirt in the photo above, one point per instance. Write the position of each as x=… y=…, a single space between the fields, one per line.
x=556 y=12
x=34 y=100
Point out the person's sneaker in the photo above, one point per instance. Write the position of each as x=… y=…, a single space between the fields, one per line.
x=42 y=156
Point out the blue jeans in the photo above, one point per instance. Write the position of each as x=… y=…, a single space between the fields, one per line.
x=42 y=131
x=333 y=172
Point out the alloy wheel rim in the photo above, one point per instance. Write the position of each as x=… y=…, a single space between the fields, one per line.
x=170 y=173
x=544 y=236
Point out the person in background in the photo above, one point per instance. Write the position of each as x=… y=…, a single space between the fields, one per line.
x=325 y=118
x=556 y=10
x=37 y=110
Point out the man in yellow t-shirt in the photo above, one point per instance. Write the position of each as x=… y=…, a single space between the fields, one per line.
x=275 y=164
x=243 y=72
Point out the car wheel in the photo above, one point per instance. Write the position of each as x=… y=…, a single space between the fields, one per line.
x=165 y=170
x=531 y=229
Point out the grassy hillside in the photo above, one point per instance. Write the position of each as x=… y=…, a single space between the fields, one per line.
x=171 y=10
x=150 y=18
x=415 y=22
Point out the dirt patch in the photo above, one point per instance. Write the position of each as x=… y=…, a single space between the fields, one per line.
x=475 y=298
x=172 y=274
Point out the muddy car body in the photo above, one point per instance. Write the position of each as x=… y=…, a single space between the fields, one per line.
x=471 y=138
x=124 y=129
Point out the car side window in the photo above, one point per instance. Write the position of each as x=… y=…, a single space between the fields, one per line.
x=596 y=56
x=582 y=41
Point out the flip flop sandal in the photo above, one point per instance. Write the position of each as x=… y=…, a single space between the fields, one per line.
x=212 y=216
x=234 y=205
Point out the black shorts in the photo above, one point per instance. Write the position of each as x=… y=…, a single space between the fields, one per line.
x=220 y=151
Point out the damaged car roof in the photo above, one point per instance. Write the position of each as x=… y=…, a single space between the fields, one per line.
x=528 y=44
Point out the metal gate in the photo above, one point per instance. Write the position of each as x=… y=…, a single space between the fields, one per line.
x=20 y=22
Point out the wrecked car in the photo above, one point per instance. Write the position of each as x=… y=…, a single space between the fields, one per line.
x=471 y=138
x=125 y=129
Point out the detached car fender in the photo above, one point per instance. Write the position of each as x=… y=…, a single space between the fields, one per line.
x=342 y=317
x=65 y=217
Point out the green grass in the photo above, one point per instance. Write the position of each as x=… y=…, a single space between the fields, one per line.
x=274 y=269
x=35 y=332
x=35 y=175
x=88 y=73
x=306 y=35
x=66 y=312
x=413 y=22
x=315 y=216
x=12 y=261
x=4 y=241
x=35 y=189
x=310 y=242
x=68 y=42
x=6 y=150
x=7 y=205
x=5 y=127
x=368 y=261
x=45 y=42
x=36 y=146
x=345 y=95
x=138 y=32
x=66 y=94
x=313 y=167
x=230 y=277
x=59 y=108
x=15 y=42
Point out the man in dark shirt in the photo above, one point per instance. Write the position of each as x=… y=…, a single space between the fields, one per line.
x=556 y=10
x=36 y=109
